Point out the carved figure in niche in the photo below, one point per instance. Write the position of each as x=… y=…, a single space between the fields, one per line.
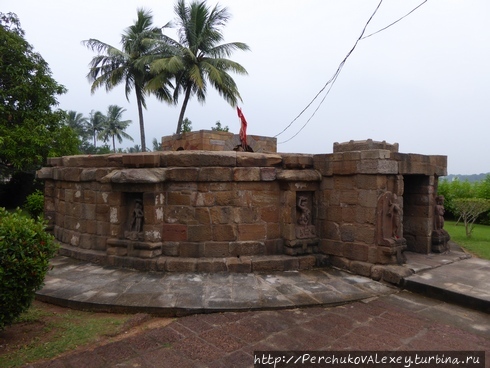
x=395 y=212
x=440 y=237
x=304 y=230
x=138 y=216
x=305 y=216
x=439 y=213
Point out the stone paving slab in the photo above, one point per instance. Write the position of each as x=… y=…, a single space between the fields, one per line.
x=465 y=282
x=76 y=284
x=397 y=322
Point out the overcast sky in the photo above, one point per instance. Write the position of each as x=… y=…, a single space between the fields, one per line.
x=423 y=83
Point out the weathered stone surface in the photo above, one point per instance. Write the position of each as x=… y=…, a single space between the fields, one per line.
x=211 y=265
x=237 y=205
x=377 y=167
x=142 y=159
x=247 y=174
x=395 y=274
x=298 y=175
x=215 y=174
x=247 y=248
x=109 y=160
x=45 y=173
x=368 y=144
x=181 y=264
x=252 y=159
x=216 y=249
x=138 y=176
x=239 y=264
x=183 y=174
x=361 y=268
x=296 y=161
x=198 y=158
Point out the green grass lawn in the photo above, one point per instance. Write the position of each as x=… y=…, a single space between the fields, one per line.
x=478 y=244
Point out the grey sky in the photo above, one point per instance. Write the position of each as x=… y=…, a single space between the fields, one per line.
x=423 y=83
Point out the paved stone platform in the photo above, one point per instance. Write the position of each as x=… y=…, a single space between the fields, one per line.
x=466 y=282
x=82 y=285
x=397 y=322
x=453 y=277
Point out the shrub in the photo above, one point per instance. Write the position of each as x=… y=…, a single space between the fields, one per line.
x=25 y=251
x=34 y=203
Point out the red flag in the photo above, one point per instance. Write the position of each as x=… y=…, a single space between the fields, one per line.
x=243 y=128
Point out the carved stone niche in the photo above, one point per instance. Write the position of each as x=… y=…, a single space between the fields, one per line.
x=305 y=239
x=440 y=237
x=390 y=241
x=132 y=242
x=304 y=218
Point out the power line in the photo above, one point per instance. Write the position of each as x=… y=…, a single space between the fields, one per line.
x=332 y=80
x=334 y=77
x=396 y=21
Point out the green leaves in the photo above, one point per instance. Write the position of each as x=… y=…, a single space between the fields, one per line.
x=25 y=251
x=30 y=127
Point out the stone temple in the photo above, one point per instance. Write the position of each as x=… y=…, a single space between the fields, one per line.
x=203 y=206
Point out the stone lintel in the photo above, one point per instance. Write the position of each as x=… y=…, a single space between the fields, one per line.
x=298 y=175
x=410 y=163
x=136 y=176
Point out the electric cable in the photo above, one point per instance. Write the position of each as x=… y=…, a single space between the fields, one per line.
x=332 y=80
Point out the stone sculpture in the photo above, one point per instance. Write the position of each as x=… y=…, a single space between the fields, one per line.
x=395 y=213
x=137 y=218
x=305 y=216
x=305 y=229
x=390 y=238
x=440 y=237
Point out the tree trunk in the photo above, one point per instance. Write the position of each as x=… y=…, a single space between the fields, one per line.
x=114 y=144
x=140 y=115
x=182 y=110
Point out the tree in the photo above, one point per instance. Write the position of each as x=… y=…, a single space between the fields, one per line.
x=135 y=149
x=157 y=146
x=113 y=66
x=77 y=122
x=198 y=58
x=219 y=128
x=114 y=127
x=31 y=129
x=186 y=126
x=95 y=125
x=469 y=209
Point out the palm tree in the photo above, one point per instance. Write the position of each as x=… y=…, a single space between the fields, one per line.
x=199 y=58
x=113 y=66
x=114 y=127
x=157 y=146
x=78 y=123
x=95 y=124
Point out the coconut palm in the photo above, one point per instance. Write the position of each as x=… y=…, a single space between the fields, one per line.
x=113 y=66
x=77 y=122
x=114 y=127
x=95 y=124
x=198 y=58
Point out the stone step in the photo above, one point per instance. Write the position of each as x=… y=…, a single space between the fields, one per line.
x=240 y=264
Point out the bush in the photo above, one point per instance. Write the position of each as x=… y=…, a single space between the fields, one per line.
x=34 y=203
x=25 y=251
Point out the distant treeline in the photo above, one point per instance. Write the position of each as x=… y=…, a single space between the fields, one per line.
x=470 y=178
